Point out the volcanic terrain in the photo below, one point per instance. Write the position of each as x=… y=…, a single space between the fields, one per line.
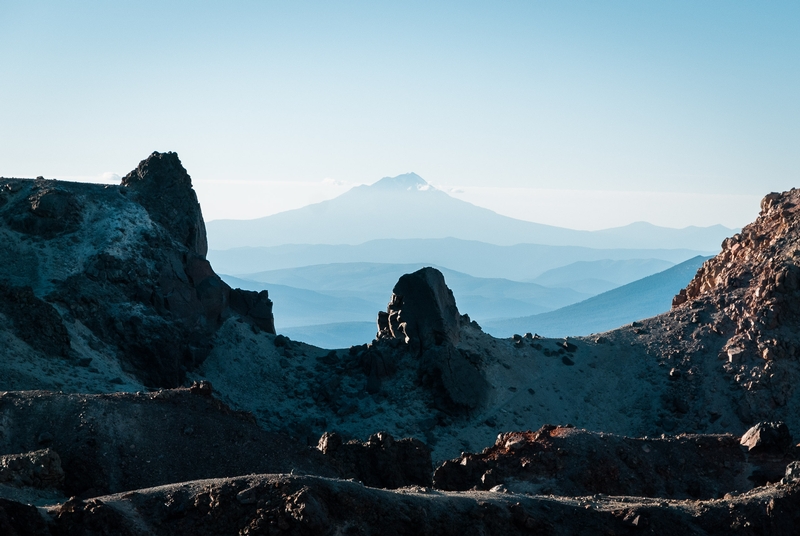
x=142 y=395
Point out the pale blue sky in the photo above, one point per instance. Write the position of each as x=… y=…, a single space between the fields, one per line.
x=696 y=98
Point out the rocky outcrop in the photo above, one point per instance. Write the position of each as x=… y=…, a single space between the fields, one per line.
x=422 y=320
x=422 y=312
x=163 y=187
x=767 y=437
x=566 y=461
x=126 y=262
x=751 y=291
x=381 y=462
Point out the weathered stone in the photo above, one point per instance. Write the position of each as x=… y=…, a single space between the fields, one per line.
x=767 y=437
x=424 y=310
x=38 y=469
x=381 y=461
x=162 y=185
x=127 y=262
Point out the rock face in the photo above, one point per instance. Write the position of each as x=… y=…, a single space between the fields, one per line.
x=96 y=270
x=752 y=290
x=422 y=312
x=380 y=462
x=422 y=319
x=163 y=187
x=566 y=461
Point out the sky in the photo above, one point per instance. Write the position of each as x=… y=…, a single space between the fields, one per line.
x=579 y=114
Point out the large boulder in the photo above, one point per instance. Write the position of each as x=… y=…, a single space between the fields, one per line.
x=422 y=319
x=422 y=311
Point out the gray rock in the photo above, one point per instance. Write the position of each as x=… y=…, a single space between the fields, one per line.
x=162 y=185
x=767 y=437
x=422 y=311
x=38 y=469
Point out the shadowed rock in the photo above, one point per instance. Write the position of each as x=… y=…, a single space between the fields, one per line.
x=566 y=461
x=381 y=462
x=125 y=263
x=162 y=185
x=422 y=319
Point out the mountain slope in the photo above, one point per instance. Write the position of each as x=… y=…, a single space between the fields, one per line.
x=644 y=298
x=406 y=207
x=595 y=277
x=334 y=305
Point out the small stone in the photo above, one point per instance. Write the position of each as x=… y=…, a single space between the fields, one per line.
x=201 y=388
x=792 y=473
x=767 y=436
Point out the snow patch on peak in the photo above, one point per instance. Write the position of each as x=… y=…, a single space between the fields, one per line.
x=406 y=181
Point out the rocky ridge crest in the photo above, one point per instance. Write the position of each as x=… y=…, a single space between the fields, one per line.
x=752 y=287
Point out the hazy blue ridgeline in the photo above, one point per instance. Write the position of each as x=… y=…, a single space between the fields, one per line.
x=640 y=299
x=339 y=308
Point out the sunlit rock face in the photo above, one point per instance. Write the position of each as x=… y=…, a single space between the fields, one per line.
x=104 y=270
x=753 y=288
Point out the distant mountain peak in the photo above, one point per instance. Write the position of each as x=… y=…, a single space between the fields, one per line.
x=406 y=181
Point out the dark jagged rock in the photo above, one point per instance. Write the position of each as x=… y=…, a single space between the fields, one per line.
x=381 y=462
x=422 y=312
x=162 y=185
x=422 y=319
x=254 y=305
x=127 y=262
